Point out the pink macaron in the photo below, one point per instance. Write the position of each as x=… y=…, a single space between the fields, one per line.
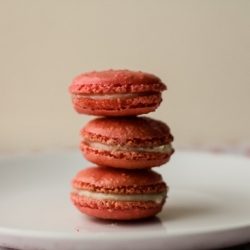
x=116 y=93
x=118 y=194
x=127 y=142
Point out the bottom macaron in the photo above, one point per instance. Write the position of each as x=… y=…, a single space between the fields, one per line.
x=118 y=194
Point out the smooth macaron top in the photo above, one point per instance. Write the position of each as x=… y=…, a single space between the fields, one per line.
x=105 y=179
x=116 y=81
x=129 y=131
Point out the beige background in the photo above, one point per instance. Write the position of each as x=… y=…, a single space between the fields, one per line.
x=200 y=49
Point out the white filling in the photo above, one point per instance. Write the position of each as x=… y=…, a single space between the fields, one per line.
x=166 y=148
x=157 y=198
x=110 y=96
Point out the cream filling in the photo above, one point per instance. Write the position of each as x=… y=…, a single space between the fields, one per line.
x=157 y=198
x=110 y=96
x=166 y=148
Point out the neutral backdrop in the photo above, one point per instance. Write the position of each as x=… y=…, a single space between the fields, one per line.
x=200 y=49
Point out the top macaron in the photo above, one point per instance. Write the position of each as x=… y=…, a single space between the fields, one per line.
x=116 y=93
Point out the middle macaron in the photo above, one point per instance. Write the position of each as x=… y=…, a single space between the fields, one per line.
x=127 y=142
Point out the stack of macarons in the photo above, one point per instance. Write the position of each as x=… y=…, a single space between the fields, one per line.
x=123 y=146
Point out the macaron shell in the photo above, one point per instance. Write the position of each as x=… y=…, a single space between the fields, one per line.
x=126 y=160
x=115 y=113
x=116 y=81
x=134 y=214
x=116 y=210
x=111 y=178
x=117 y=107
x=130 y=131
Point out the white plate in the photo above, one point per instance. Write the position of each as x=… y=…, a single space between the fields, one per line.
x=208 y=205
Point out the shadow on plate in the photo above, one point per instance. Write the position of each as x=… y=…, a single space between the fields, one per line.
x=174 y=213
x=96 y=225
